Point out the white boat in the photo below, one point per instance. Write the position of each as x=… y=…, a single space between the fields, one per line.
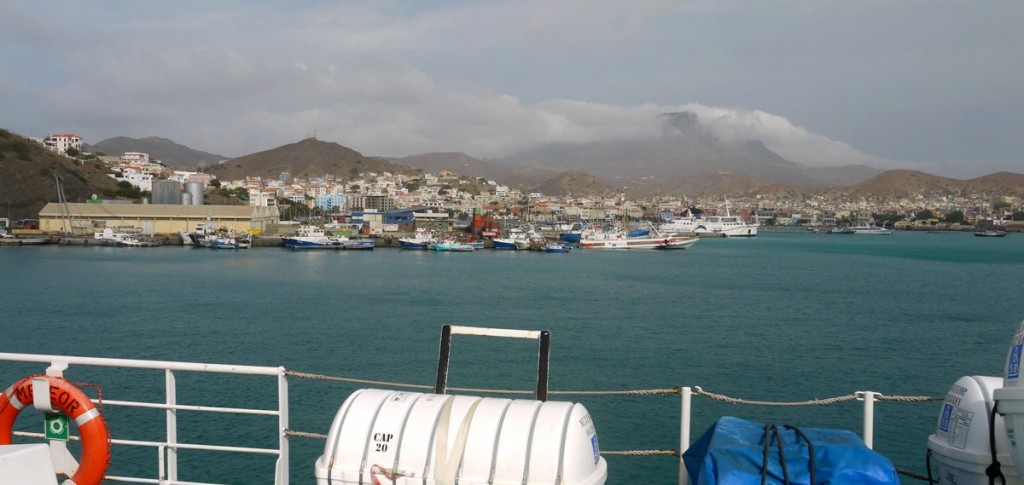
x=311 y=237
x=223 y=241
x=421 y=239
x=687 y=223
x=517 y=238
x=453 y=246
x=122 y=239
x=198 y=236
x=872 y=230
x=727 y=225
x=620 y=240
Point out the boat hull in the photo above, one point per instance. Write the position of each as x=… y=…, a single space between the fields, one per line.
x=667 y=242
x=505 y=244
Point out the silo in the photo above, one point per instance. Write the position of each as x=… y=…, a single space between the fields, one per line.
x=196 y=190
x=186 y=198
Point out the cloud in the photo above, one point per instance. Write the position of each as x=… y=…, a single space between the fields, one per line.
x=794 y=143
x=493 y=77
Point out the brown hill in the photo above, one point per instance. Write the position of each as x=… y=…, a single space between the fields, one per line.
x=27 y=177
x=711 y=185
x=573 y=182
x=515 y=176
x=909 y=183
x=168 y=152
x=307 y=158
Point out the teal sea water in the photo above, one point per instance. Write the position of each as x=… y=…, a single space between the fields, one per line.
x=783 y=317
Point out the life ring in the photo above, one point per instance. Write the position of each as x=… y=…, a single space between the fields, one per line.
x=73 y=402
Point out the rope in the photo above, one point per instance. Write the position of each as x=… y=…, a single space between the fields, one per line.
x=634 y=392
x=813 y=402
x=913 y=474
x=881 y=397
x=642 y=453
x=304 y=434
x=321 y=377
x=697 y=391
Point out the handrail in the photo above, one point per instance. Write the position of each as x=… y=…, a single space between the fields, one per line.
x=167 y=450
x=168 y=463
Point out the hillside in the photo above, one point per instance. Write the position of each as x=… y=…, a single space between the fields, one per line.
x=27 y=177
x=910 y=183
x=711 y=185
x=307 y=158
x=685 y=148
x=572 y=182
x=166 y=151
x=518 y=177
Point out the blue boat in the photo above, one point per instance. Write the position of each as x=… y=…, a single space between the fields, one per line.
x=421 y=240
x=504 y=243
x=557 y=247
x=311 y=237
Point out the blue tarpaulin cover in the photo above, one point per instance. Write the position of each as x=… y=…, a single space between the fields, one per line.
x=732 y=452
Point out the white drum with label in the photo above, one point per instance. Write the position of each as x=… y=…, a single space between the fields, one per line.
x=381 y=436
x=961 y=447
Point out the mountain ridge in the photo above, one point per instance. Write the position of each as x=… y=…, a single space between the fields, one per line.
x=168 y=152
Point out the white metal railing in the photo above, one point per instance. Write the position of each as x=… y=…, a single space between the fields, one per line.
x=167 y=450
x=686 y=401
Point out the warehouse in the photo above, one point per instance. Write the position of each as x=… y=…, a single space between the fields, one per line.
x=153 y=219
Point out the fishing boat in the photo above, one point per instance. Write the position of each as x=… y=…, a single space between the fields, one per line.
x=421 y=239
x=311 y=237
x=557 y=247
x=621 y=240
x=842 y=230
x=510 y=241
x=872 y=230
x=8 y=239
x=223 y=241
x=452 y=246
x=197 y=237
x=574 y=234
x=990 y=233
x=126 y=239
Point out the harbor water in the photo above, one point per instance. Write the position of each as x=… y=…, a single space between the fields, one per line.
x=780 y=317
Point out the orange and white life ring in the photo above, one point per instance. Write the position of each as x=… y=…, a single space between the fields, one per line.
x=73 y=402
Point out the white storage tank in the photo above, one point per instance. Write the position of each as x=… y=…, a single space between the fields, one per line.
x=960 y=447
x=415 y=438
x=196 y=190
x=1010 y=399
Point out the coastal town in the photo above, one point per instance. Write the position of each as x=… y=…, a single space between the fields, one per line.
x=389 y=206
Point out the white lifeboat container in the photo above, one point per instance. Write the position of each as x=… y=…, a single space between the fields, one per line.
x=381 y=436
x=1010 y=399
x=961 y=446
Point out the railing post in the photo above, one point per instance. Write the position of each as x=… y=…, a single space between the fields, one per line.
x=869 y=419
x=172 y=426
x=686 y=395
x=282 y=418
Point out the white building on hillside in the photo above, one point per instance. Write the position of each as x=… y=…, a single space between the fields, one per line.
x=140 y=179
x=134 y=158
x=61 y=142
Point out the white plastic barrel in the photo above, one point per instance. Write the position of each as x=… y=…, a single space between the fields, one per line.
x=381 y=436
x=960 y=447
x=1010 y=399
x=26 y=465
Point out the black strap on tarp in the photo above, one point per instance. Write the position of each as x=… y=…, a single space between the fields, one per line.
x=772 y=431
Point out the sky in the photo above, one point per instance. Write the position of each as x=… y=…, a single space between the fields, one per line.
x=932 y=85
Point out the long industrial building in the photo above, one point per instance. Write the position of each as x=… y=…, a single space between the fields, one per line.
x=152 y=219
